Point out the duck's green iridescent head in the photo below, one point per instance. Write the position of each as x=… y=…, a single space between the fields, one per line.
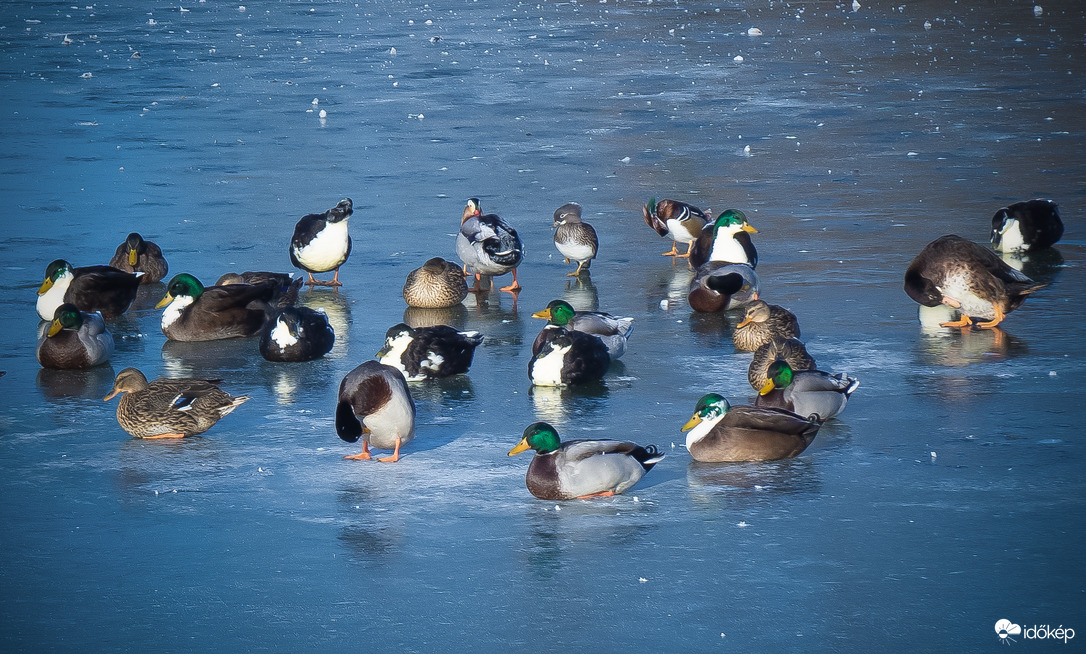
x=779 y=375
x=558 y=312
x=733 y=217
x=652 y=206
x=67 y=316
x=538 y=436
x=183 y=285
x=709 y=407
x=53 y=272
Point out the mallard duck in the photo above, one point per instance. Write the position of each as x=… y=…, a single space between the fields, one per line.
x=719 y=432
x=424 y=352
x=195 y=313
x=282 y=280
x=376 y=406
x=612 y=330
x=138 y=255
x=968 y=277
x=805 y=392
x=169 y=408
x=90 y=288
x=567 y=358
x=583 y=468
x=321 y=242
x=718 y=286
x=436 y=285
x=763 y=322
x=74 y=340
x=488 y=245
x=296 y=334
x=1029 y=225
x=574 y=238
x=728 y=240
x=790 y=350
x=682 y=221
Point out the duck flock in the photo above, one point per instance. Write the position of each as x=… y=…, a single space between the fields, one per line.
x=375 y=402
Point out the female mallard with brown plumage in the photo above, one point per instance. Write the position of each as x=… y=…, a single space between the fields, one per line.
x=74 y=339
x=720 y=432
x=169 y=408
x=681 y=221
x=968 y=277
x=763 y=322
x=436 y=285
x=581 y=469
x=138 y=255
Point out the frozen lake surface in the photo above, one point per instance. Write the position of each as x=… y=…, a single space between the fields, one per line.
x=949 y=494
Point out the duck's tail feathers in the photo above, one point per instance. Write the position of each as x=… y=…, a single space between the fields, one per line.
x=235 y=403
x=648 y=456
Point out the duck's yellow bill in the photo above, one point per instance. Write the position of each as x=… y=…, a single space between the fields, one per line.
x=164 y=301
x=520 y=447
x=132 y=256
x=694 y=421
x=45 y=286
x=766 y=387
x=746 y=321
x=747 y=227
x=545 y=314
x=54 y=328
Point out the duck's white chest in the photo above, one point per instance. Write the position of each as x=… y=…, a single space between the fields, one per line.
x=172 y=312
x=396 y=419
x=956 y=286
x=282 y=336
x=547 y=370
x=701 y=431
x=683 y=230
x=327 y=250
x=1012 y=236
x=49 y=301
x=726 y=248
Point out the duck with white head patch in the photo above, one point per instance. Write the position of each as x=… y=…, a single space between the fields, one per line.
x=195 y=313
x=1025 y=226
x=728 y=240
x=612 y=330
x=296 y=334
x=89 y=288
x=567 y=358
x=429 y=352
x=321 y=242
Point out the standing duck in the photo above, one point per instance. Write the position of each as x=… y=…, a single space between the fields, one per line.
x=718 y=286
x=424 y=352
x=968 y=277
x=806 y=392
x=581 y=469
x=719 y=432
x=789 y=350
x=376 y=406
x=728 y=240
x=195 y=313
x=761 y=323
x=321 y=242
x=296 y=334
x=169 y=408
x=567 y=358
x=488 y=246
x=612 y=330
x=574 y=238
x=436 y=285
x=682 y=221
x=89 y=288
x=1029 y=225
x=138 y=255
x=74 y=340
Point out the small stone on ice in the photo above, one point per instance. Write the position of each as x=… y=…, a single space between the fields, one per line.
x=392 y=51
x=742 y=524
x=625 y=160
x=927 y=24
x=737 y=58
x=663 y=304
x=754 y=31
x=1038 y=10
x=933 y=455
x=557 y=508
x=87 y=75
x=855 y=5
x=1051 y=373
x=642 y=580
x=323 y=114
x=316 y=101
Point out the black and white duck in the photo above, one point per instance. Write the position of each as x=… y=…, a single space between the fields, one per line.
x=321 y=242
x=728 y=240
x=296 y=334
x=612 y=330
x=375 y=405
x=581 y=469
x=567 y=358
x=425 y=352
x=488 y=245
x=1025 y=226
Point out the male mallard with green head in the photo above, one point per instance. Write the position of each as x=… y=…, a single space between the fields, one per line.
x=720 y=432
x=728 y=240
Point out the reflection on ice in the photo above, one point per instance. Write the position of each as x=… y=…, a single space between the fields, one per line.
x=955 y=347
x=91 y=383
